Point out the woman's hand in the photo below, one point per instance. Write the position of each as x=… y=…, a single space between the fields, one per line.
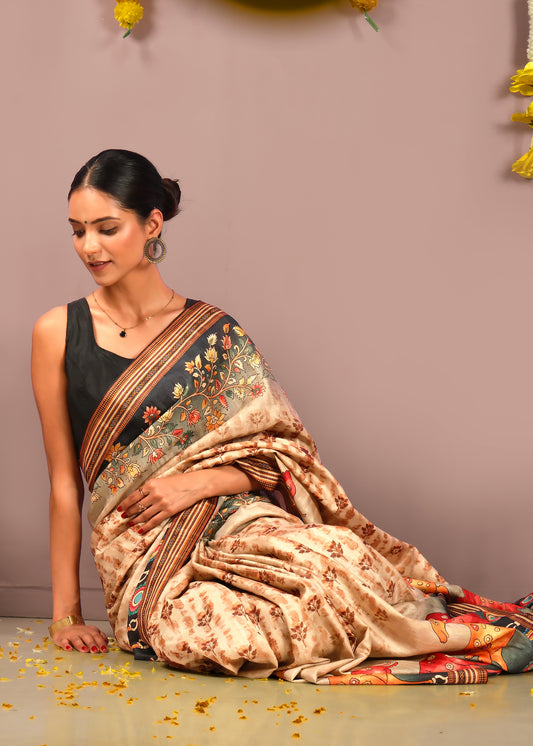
x=162 y=498
x=83 y=637
x=159 y=499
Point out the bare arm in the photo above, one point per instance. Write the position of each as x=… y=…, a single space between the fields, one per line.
x=164 y=497
x=49 y=385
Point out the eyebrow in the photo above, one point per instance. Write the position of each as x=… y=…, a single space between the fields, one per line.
x=93 y=222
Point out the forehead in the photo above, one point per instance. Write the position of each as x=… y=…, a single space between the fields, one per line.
x=86 y=205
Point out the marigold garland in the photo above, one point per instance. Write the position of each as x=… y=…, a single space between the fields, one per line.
x=129 y=12
x=522 y=83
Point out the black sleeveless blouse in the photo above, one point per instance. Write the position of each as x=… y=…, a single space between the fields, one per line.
x=91 y=371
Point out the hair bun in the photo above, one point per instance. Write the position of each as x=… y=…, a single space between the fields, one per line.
x=171 y=198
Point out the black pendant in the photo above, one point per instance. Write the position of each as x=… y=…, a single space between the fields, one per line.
x=122 y=333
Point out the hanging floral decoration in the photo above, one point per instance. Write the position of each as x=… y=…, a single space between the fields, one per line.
x=127 y=13
x=522 y=83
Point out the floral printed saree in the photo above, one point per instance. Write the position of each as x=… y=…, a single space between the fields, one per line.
x=290 y=581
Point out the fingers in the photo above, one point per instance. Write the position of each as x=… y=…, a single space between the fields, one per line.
x=144 y=507
x=135 y=503
x=81 y=637
x=148 y=519
x=156 y=500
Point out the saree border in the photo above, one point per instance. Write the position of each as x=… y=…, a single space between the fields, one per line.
x=174 y=550
x=121 y=401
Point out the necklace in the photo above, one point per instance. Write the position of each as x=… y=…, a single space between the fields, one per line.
x=124 y=329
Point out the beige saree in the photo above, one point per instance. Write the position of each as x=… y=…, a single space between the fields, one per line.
x=290 y=581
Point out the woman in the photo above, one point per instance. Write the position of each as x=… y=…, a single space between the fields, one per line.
x=222 y=542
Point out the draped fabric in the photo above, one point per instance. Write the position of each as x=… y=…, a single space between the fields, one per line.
x=291 y=581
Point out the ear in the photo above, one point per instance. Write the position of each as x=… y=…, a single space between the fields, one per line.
x=154 y=223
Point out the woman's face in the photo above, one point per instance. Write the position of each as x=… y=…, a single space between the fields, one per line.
x=108 y=239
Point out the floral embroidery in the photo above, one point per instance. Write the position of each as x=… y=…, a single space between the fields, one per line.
x=155 y=455
x=347 y=616
x=151 y=414
x=133 y=471
x=248 y=653
x=227 y=373
x=177 y=391
x=368 y=530
x=211 y=355
x=209 y=646
x=299 y=631
x=329 y=575
x=114 y=451
x=314 y=603
x=204 y=620
x=253 y=615
x=335 y=549
x=341 y=501
x=193 y=417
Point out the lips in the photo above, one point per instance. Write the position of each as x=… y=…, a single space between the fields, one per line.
x=98 y=265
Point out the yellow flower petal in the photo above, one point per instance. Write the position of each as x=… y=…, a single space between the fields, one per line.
x=128 y=13
x=363 y=5
x=524 y=165
x=523 y=81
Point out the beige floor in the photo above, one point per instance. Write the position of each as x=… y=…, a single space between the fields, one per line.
x=54 y=698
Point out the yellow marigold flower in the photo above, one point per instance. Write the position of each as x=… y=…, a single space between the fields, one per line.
x=524 y=165
x=127 y=13
x=523 y=81
x=527 y=118
x=364 y=5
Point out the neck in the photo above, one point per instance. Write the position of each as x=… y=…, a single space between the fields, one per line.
x=134 y=299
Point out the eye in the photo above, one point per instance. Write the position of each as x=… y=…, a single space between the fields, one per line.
x=78 y=233
x=109 y=231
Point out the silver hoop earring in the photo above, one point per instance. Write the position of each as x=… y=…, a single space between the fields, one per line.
x=155 y=250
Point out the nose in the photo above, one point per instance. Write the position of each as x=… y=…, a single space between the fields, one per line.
x=91 y=245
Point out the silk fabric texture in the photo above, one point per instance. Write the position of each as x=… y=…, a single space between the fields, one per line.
x=303 y=587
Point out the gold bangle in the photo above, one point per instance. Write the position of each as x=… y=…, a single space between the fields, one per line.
x=65 y=622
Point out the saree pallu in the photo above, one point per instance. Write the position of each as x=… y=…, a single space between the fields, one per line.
x=294 y=582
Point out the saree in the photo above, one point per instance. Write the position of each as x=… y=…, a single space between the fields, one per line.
x=290 y=580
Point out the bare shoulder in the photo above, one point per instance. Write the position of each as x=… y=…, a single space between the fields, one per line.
x=51 y=328
x=54 y=320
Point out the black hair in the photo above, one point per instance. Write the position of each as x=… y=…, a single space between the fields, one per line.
x=132 y=181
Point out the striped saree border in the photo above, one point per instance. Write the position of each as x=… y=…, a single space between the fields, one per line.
x=180 y=538
x=123 y=398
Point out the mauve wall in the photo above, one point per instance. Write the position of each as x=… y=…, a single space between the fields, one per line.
x=348 y=197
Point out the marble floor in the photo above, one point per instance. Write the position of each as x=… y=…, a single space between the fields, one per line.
x=53 y=698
